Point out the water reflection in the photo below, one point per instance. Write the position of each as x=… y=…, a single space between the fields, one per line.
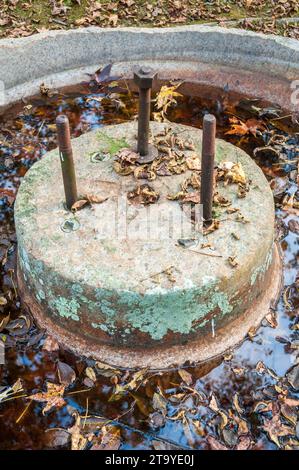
x=27 y=132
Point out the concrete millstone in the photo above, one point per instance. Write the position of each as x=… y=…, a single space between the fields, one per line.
x=129 y=296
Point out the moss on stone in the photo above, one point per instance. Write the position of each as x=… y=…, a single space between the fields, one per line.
x=111 y=145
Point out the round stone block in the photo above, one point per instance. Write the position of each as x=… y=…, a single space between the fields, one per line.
x=135 y=284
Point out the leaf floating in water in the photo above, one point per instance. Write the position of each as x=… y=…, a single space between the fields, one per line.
x=166 y=98
x=103 y=75
x=159 y=403
x=294 y=226
x=293 y=376
x=237 y=404
x=271 y=319
x=4 y=322
x=251 y=126
x=50 y=344
x=90 y=373
x=109 y=439
x=10 y=391
x=46 y=91
x=213 y=404
x=56 y=438
x=275 y=428
x=78 y=441
x=66 y=374
x=186 y=376
x=3 y=301
x=214 y=444
x=53 y=397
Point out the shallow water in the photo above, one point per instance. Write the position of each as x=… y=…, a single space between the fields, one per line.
x=186 y=418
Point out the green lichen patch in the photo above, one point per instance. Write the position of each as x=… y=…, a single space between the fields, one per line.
x=178 y=312
x=110 y=144
x=66 y=308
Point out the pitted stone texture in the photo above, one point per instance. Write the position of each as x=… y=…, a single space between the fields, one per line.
x=105 y=290
x=244 y=61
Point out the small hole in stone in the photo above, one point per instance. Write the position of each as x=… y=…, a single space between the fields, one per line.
x=99 y=157
x=70 y=225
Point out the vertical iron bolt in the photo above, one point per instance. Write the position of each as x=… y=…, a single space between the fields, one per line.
x=144 y=78
x=66 y=160
x=207 y=167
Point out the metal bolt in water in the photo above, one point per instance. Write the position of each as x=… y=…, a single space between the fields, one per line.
x=144 y=78
x=66 y=160
x=207 y=166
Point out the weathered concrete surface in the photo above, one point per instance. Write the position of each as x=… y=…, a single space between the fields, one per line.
x=98 y=290
x=247 y=62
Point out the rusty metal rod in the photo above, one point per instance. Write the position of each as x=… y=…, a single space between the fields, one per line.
x=207 y=167
x=144 y=78
x=144 y=120
x=66 y=160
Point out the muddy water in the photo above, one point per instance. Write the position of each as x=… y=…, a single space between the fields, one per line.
x=185 y=416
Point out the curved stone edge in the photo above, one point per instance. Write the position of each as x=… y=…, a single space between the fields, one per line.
x=88 y=296
x=26 y=62
x=196 y=352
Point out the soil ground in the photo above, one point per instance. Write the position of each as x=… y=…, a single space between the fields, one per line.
x=20 y=18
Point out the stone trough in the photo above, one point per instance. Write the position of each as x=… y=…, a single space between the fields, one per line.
x=146 y=300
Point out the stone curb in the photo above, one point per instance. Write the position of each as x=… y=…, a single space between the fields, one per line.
x=64 y=57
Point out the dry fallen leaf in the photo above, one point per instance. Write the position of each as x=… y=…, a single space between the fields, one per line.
x=79 y=204
x=93 y=199
x=193 y=162
x=232 y=261
x=211 y=228
x=231 y=172
x=87 y=200
x=143 y=194
x=127 y=156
